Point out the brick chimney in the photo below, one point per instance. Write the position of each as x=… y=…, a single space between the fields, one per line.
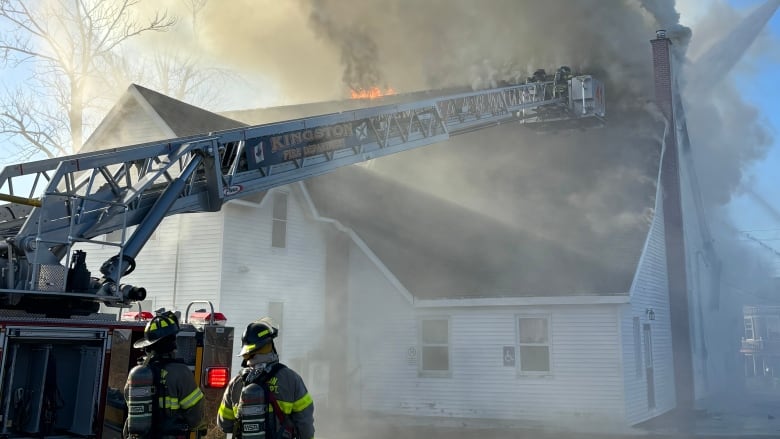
x=662 y=65
x=665 y=90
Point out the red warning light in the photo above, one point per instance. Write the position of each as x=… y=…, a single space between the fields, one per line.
x=217 y=377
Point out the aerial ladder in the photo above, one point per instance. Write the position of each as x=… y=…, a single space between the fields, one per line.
x=79 y=198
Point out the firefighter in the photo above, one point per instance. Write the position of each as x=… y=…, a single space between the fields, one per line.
x=163 y=399
x=266 y=399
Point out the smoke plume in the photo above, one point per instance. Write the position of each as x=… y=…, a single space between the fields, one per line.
x=317 y=50
x=586 y=195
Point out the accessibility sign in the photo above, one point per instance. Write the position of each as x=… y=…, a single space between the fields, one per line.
x=509 y=356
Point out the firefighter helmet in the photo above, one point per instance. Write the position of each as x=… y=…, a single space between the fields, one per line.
x=161 y=326
x=256 y=335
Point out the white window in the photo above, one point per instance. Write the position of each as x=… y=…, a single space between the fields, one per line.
x=534 y=344
x=279 y=231
x=435 y=337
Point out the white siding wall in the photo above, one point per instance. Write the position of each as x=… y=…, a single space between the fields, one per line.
x=196 y=238
x=381 y=327
x=256 y=273
x=585 y=383
x=132 y=126
x=649 y=291
x=200 y=253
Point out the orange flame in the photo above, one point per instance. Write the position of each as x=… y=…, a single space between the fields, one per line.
x=372 y=93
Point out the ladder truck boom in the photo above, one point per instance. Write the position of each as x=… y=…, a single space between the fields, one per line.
x=84 y=196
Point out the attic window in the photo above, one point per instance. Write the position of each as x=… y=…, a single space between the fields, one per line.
x=279 y=231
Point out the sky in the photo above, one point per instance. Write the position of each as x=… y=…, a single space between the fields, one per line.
x=759 y=88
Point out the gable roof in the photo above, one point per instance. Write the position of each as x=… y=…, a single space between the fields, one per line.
x=143 y=115
x=502 y=212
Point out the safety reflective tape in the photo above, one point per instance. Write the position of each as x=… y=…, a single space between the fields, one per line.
x=191 y=399
x=169 y=403
x=286 y=407
x=262 y=333
x=226 y=413
x=302 y=403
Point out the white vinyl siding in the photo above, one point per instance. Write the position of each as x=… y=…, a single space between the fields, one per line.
x=649 y=291
x=255 y=274
x=279 y=222
x=584 y=353
x=181 y=265
x=133 y=126
x=198 y=268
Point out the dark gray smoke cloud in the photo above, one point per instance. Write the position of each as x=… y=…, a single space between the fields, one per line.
x=359 y=53
x=440 y=43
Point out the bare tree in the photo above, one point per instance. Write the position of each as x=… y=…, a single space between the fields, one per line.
x=70 y=45
x=180 y=71
x=195 y=6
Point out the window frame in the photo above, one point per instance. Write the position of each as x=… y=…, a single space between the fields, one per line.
x=421 y=343
x=519 y=361
x=277 y=218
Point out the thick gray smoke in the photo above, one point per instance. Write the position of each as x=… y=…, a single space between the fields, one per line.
x=727 y=133
x=582 y=195
x=440 y=43
x=359 y=53
x=318 y=50
x=321 y=49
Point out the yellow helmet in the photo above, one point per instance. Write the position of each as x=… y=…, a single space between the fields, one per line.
x=256 y=335
x=161 y=326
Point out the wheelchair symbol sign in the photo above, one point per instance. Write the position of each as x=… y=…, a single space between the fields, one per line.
x=509 y=356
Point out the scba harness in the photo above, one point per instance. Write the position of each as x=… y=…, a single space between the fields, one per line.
x=146 y=417
x=256 y=396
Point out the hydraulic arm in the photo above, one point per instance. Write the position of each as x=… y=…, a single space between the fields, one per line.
x=82 y=197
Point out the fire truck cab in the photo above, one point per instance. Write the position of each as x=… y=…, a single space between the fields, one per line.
x=65 y=377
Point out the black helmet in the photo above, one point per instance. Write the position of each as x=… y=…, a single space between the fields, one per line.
x=256 y=335
x=161 y=326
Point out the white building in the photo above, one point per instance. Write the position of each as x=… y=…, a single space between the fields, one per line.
x=392 y=300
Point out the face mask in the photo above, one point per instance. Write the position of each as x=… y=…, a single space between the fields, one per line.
x=262 y=359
